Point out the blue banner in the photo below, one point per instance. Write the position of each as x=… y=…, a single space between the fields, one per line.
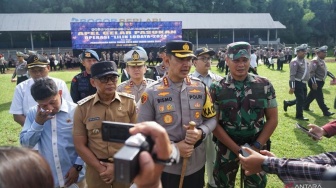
x=106 y=35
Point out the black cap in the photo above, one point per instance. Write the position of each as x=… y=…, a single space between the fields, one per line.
x=103 y=68
x=162 y=49
x=201 y=51
x=180 y=48
x=37 y=61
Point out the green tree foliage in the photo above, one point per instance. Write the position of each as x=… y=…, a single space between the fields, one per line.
x=311 y=21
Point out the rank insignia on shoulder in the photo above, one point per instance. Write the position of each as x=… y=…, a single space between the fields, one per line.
x=127 y=95
x=81 y=102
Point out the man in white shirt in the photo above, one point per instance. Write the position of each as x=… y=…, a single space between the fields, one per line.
x=202 y=63
x=253 y=63
x=38 y=67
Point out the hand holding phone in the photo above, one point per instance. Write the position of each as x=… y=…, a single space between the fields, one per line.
x=305 y=130
x=243 y=152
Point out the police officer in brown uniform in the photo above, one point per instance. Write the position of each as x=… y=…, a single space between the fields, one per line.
x=105 y=105
x=299 y=76
x=173 y=101
x=318 y=74
x=136 y=67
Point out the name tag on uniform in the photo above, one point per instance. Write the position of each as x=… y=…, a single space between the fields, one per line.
x=94 y=119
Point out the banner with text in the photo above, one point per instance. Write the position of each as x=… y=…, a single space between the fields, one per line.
x=105 y=35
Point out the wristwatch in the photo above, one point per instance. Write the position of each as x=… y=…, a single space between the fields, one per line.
x=174 y=157
x=78 y=167
x=203 y=134
x=257 y=145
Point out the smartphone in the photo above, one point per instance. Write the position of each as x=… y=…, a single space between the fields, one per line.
x=115 y=131
x=304 y=129
x=244 y=152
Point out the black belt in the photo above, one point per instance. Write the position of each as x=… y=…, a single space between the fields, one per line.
x=242 y=140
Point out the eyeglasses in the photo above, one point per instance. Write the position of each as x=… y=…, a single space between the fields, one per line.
x=106 y=79
x=204 y=59
x=36 y=70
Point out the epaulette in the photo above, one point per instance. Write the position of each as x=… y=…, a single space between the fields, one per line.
x=86 y=99
x=148 y=80
x=126 y=95
x=194 y=78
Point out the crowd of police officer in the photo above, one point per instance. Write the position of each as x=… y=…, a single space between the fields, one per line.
x=236 y=106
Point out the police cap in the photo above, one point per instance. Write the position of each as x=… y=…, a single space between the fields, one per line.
x=180 y=48
x=302 y=47
x=201 y=51
x=37 y=61
x=237 y=50
x=103 y=68
x=136 y=57
x=322 y=49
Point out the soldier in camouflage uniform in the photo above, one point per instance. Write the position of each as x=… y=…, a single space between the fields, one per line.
x=173 y=101
x=318 y=74
x=136 y=67
x=202 y=62
x=246 y=112
x=80 y=84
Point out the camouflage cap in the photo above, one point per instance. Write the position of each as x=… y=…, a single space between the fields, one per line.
x=180 y=48
x=237 y=50
x=37 y=61
x=322 y=49
x=136 y=57
x=302 y=47
x=201 y=51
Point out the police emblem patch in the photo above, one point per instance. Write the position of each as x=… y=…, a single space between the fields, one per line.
x=144 y=98
x=161 y=108
x=197 y=115
x=185 y=46
x=135 y=56
x=87 y=54
x=168 y=119
x=197 y=105
x=170 y=107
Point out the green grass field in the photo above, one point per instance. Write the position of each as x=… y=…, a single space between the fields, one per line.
x=287 y=141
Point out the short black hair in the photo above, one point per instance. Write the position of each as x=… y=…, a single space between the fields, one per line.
x=43 y=88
